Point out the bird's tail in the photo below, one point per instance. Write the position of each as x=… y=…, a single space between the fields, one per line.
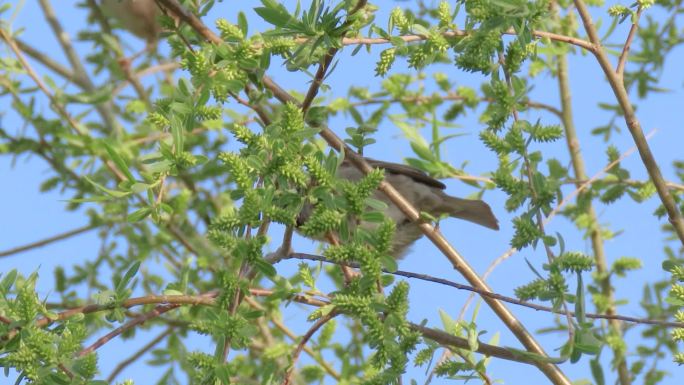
x=471 y=210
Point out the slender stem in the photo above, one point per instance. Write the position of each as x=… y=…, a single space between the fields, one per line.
x=419 y=99
x=283 y=328
x=208 y=299
x=47 y=241
x=135 y=356
x=34 y=76
x=156 y=312
x=79 y=71
x=48 y=62
x=628 y=44
x=597 y=243
x=448 y=339
x=511 y=300
x=305 y=338
x=632 y=122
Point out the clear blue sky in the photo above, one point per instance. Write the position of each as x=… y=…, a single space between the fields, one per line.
x=29 y=215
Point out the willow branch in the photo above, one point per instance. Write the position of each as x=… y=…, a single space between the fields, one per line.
x=79 y=71
x=632 y=122
x=34 y=76
x=208 y=299
x=419 y=99
x=48 y=62
x=500 y=297
x=283 y=328
x=628 y=44
x=135 y=356
x=47 y=241
x=462 y=33
x=578 y=165
x=305 y=339
x=156 y=312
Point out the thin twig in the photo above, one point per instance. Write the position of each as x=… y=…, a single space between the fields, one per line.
x=135 y=356
x=593 y=179
x=500 y=297
x=305 y=338
x=47 y=241
x=157 y=311
x=208 y=299
x=628 y=44
x=314 y=355
x=451 y=96
x=79 y=71
x=33 y=75
x=48 y=62
x=462 y=33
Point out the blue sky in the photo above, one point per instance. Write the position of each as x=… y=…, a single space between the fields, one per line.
x=29 y=215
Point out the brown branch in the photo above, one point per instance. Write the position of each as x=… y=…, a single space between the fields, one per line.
x=594 y=231
x=418 y=99
x=135 y=356
x=460 y=33
x=500 y=297
x=628 y=44
x=314 y=355
x=592 y=180
x=157 y=311
x=34 y=76
x=51 y=64
x=208 y=299
x=305 y=338
x=79 y=71
x=632 y=122
x=447 y=339
x=47 y=241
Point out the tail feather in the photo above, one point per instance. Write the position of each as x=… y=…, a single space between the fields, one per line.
x=475 y=211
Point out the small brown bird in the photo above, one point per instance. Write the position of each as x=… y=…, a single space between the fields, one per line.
x=137 y=16
x=424 y=193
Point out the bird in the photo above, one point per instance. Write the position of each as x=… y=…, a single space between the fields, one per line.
x=424 y=192
x=136 y=16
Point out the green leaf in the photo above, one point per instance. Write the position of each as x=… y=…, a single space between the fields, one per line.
x=113 y=193
x=579 y=302
x=119 y=161
x=389 y=263
x=376 y=204
x=274 y=13
x=450 y=326
x=8 y=280
x=242 y=23
x=423 y=151
x=126 y=279
x=139 y=214
x=91 y=97
x=373 y=216
x=597 y=371
x=178 y=135
x=266 y=268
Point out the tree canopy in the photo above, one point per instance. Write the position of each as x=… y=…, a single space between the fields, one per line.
x=189 y=137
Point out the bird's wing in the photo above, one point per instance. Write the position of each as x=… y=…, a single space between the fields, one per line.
x=411 y=172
